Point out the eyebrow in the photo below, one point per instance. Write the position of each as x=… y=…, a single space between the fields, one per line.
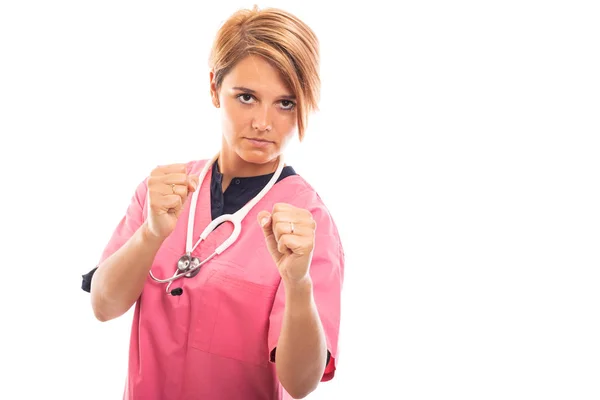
x=248 y=90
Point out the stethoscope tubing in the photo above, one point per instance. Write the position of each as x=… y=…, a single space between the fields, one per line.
x=236 y=219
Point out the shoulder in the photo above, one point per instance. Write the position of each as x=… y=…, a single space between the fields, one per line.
x=195 y=166
x=304 y=195
x=329 y=251
x=299 y=193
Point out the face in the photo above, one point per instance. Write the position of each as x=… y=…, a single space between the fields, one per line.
x=258 y=111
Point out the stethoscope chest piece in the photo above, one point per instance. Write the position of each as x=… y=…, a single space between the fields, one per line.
x=194 y=263
x=184 y=262
x=187 y=262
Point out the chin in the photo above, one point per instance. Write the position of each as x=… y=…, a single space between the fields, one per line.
x=256 y=156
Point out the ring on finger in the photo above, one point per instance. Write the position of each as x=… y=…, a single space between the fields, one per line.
x=173 y=188
x=292 y=227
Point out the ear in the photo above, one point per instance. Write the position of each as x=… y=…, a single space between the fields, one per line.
x=214 y=94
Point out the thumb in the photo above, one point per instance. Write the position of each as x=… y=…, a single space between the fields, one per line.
x=266 y=223
x=193 y=182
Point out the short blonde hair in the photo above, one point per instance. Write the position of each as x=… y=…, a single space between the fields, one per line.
x=284 y=41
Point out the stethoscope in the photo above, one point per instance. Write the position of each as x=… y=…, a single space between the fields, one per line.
x=189 y=266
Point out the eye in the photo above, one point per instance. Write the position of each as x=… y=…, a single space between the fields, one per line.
x=245 y=98
x=287 y=104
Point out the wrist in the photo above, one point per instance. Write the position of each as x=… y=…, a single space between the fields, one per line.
x=299 y=291
x=148 y=237
x=302 y=285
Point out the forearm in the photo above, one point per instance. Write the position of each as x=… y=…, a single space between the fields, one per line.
x=302 y=349
x=119 y=280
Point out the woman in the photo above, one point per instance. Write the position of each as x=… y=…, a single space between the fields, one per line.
x=261 y=319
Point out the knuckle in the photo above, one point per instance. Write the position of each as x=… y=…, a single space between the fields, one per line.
x=275 y=217
x=159 y=169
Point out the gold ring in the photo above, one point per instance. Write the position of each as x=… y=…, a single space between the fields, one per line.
x=173 y=188
x=292 y=227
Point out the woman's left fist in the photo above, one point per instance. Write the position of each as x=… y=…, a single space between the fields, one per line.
x=290 y=236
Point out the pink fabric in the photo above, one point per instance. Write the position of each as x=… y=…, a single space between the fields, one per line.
x=214 y=341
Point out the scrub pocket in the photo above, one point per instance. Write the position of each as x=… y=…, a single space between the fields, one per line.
x=232 y=317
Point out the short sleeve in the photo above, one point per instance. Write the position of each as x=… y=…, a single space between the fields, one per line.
x=126 y=227
x=326 y=271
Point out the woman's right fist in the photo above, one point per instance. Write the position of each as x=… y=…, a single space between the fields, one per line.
x=168 y=189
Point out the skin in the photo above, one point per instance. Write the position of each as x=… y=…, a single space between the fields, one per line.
x=258 y=122
x=265 y=111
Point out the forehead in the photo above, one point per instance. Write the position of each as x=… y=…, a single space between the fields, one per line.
x=256 y=73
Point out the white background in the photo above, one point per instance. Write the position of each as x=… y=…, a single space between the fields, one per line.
x=464 y=138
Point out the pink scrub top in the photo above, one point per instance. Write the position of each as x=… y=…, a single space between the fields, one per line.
x=215 y=340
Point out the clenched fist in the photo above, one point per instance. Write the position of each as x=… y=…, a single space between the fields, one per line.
x=168 y=189
x=290 y=237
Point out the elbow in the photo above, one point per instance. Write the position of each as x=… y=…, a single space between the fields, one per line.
x=99 y=309
x=104 y=316
x=299 y=382
x=100 y=317
x=99 y=314
x=299 y=391
x=102 y=308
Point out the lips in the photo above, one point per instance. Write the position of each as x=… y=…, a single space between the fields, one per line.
x=260 y=140
x=259 y=143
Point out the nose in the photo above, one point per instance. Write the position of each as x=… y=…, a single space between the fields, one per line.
x=262 y=119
